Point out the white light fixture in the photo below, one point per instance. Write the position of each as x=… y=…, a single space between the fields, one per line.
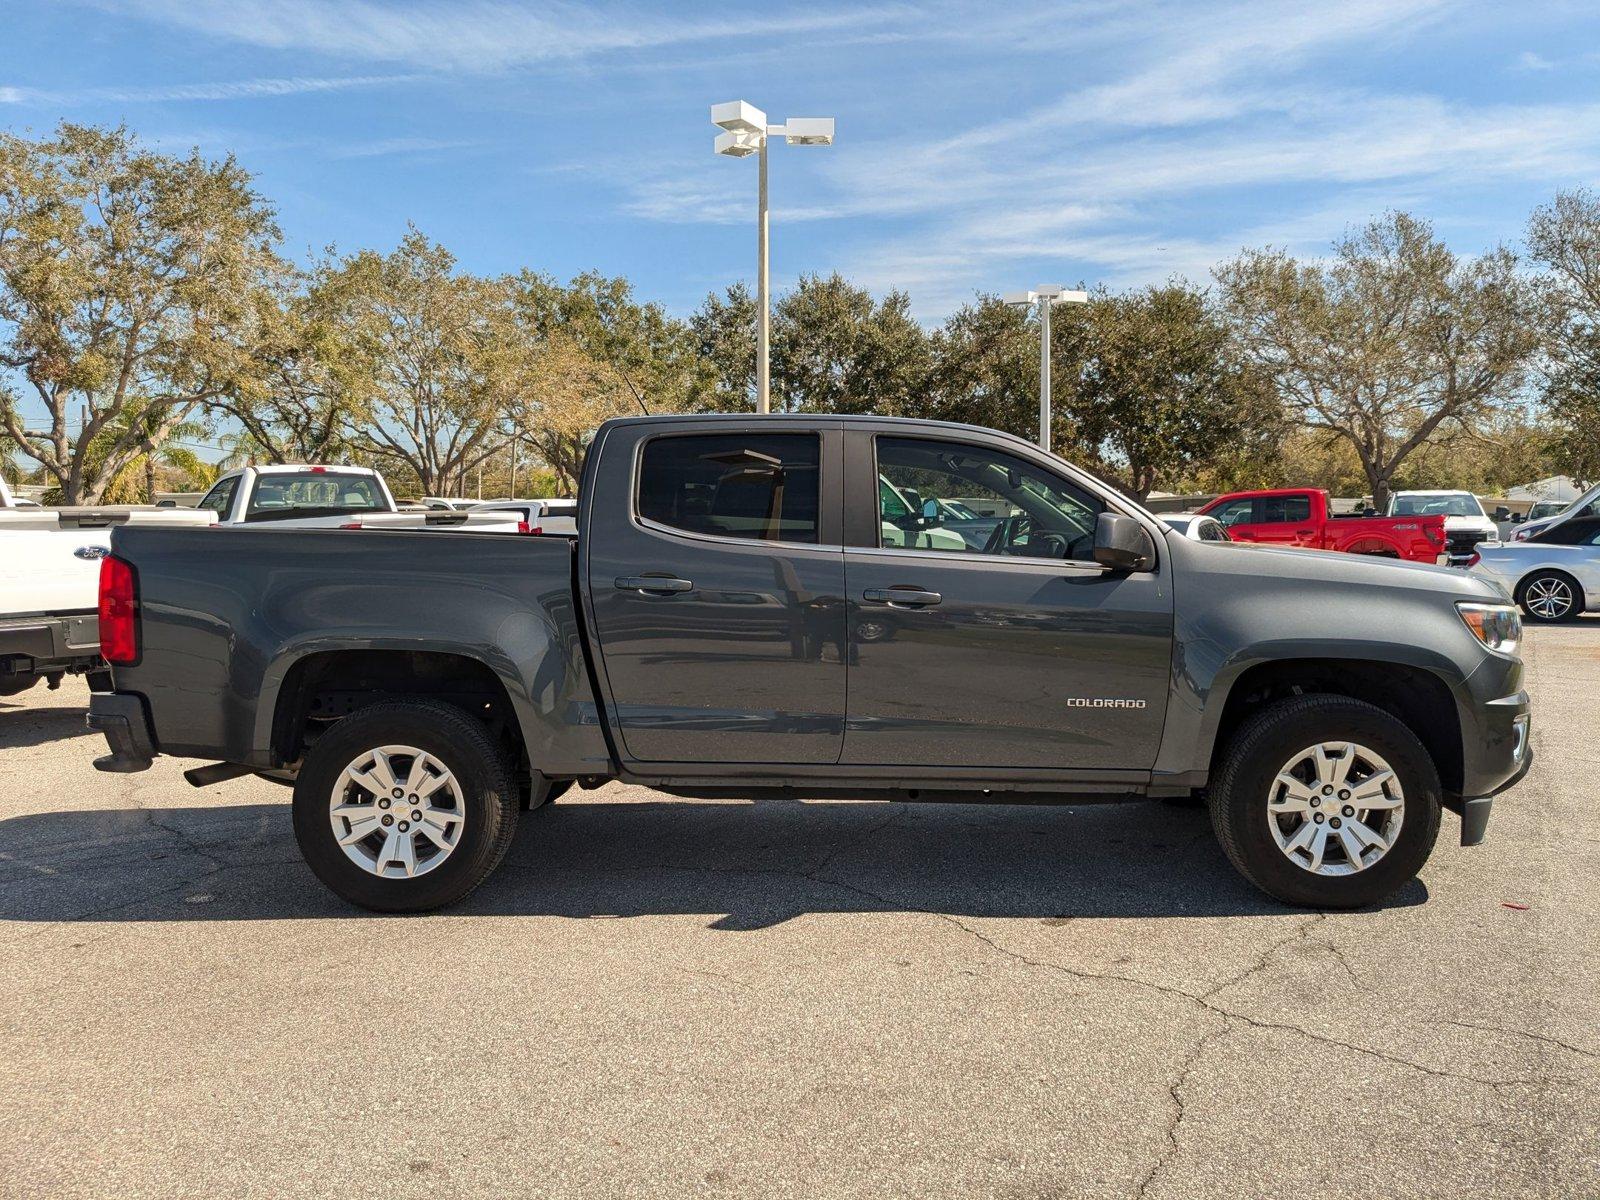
x=745 y=132
x=1045 y=296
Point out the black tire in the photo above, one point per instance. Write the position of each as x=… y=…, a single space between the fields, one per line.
x=1244 y=782
x=15 y=685
x=460 y=743
x=1559 y=584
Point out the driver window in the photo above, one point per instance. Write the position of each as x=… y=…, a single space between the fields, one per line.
x=954 y=498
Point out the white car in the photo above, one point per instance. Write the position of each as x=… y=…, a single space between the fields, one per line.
x=1465 y=522
x=1586 y=505
x=1554 y=576
x=536 y=516
x=1196 y=527
x=291 y=496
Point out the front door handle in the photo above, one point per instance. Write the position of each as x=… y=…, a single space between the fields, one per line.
x=1304 y=532
x=662 y=585
x=902 y=596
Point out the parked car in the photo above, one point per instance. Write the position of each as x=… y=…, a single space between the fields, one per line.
x=49 y=572
x=302 y=496
x=1586 y=505
x=1196 y=527
x=1554 y=576
x=536 y=516
x=1465 y=522
x=702 y=637
x=1301 y=517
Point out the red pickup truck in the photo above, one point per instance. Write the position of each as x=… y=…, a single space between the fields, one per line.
x=1300 y=517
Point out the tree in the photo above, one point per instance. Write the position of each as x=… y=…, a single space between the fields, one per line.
x=1389 y=345
x=1564 y=236
x=124 y=275
x=568 y=394
x=985 y=369
x=430 y=374
x=1153 y=391
x=836 y=350
x=724 y=333
x=299 y=402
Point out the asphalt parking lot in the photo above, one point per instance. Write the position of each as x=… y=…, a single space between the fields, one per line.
x=659 y=996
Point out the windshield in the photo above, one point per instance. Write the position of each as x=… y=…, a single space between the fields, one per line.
x=287 y=496
x=1456 y=504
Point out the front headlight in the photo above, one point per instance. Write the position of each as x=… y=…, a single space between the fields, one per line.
x=1497 y=626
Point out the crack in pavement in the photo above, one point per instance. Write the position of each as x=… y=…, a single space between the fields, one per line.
x=1179 y=1108
x=1537 y=1037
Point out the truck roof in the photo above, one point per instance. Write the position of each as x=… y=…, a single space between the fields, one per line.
x=300 y=468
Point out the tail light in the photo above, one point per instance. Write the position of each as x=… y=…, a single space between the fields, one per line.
x=1474 y=559
x=351 y=525
x=525 y=527
x=119 y=612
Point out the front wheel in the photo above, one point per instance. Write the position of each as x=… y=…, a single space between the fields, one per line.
x=1549 y=596
x=1326 y=802
x=405 y=806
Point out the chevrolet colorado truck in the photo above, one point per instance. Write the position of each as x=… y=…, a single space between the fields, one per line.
x=732 y=620
x=1302 y=517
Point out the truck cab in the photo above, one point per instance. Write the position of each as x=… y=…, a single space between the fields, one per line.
x=297 y=496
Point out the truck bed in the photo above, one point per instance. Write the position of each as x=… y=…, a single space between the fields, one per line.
x=244 y=610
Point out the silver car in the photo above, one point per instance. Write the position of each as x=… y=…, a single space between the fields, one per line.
x=1197 y=528
x=1554 y=576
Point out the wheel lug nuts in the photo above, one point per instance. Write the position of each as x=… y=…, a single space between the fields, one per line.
x=404 y=825
x=1317 y=817
x=412 y=799
x=416 y=816
x=1328 y=790
x=383 y=804
x=1349 y=811
x=1345 y=795
x=1316 y=802
x=388 y=820
x=398 y=792
x=1334 y=823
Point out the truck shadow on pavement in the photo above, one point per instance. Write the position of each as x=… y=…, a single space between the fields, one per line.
x=746 y=866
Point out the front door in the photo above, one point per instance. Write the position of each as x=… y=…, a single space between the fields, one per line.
x=982 y=632
x=717 y=593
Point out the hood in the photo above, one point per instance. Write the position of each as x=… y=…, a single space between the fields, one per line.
x=1470 y=524
x=1339 y=569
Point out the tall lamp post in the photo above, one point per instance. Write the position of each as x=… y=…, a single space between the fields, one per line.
x=745 y=132
x=1045 y=297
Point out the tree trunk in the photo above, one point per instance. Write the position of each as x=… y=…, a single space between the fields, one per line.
x=149 y=479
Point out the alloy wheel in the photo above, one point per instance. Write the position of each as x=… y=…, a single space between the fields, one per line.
x=1335 y=808
x=397 y=812
x=1550 y=598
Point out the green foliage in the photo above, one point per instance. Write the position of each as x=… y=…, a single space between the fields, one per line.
x=1564 y=237
x=123 y=273
x=1392 y=342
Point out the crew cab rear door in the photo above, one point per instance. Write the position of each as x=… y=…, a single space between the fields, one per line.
x=993 y=640
x=715 y=588
x=1281 y=520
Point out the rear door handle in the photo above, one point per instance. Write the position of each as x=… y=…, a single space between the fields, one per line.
x=900 y=595
x=658 y=584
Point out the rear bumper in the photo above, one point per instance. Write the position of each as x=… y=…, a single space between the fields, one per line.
x=122 y=719
x=49 y=644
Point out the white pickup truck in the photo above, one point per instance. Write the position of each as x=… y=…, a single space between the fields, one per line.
x=49 y=579
x=297 y=496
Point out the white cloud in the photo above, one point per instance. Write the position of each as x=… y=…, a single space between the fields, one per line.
x=483 y=35
x=1529 y=61
x=239 y=89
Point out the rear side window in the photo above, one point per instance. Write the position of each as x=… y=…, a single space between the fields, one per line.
x=220 y=498
x=764 y=487
x=1280 y=510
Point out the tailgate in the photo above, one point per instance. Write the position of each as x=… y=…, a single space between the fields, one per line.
x=51 y=571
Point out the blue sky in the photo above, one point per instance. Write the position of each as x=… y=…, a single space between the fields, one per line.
x=980 y=146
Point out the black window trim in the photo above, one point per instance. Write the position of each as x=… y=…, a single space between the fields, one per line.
x=827 y=496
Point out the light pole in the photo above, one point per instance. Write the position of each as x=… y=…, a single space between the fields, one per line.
x=745 y=132
x=1045 y=296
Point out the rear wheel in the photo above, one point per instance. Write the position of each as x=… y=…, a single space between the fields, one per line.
x=1326 y=802
x=1549 y=596
x=405 y=806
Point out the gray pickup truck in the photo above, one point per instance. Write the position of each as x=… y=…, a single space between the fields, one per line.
x=818 y=607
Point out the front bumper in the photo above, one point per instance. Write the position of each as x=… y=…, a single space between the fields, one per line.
x=1498 y=752
x=121 y=717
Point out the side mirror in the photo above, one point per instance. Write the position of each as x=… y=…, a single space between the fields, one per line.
x=1122 y=544
x=930 y=511
x=1518 y=518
